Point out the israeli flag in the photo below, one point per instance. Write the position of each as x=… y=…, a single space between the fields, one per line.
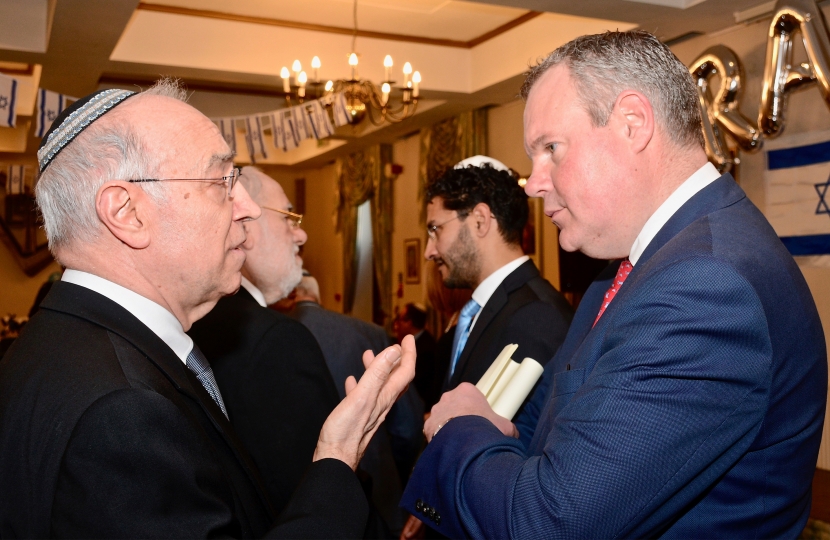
x=49 y=106
x=303 y=131
x=276 y=131
x=797 y=179
x=341 y=113
x=14 y=180
x=255 y=139
x=292 y=140
x=228 y=128
x=8 y=101
x=317 y=120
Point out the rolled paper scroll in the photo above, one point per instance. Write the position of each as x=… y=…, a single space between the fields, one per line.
x=522 y=382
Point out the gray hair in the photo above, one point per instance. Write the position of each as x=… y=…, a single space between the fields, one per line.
x=604 y=65
x=103 y=151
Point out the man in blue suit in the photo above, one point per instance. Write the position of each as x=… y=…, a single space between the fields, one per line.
x=687 y=400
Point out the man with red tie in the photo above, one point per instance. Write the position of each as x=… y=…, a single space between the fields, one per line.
x=688 y=398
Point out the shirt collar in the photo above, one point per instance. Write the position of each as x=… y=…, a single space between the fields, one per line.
x=160 y=321
x=487 y=287
x=256 y=293
x=688 y=189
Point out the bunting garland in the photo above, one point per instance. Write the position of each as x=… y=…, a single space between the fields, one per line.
x=289 y=127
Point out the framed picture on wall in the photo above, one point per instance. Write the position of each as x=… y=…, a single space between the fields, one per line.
x=412 y=260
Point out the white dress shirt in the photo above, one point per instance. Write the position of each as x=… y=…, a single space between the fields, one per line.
x=160 y=321
x=688 y=189
x=487 y=287
x=256 y=293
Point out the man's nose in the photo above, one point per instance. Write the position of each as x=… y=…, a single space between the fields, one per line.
x=244 y=207
x=430 y=252
x=300 y=236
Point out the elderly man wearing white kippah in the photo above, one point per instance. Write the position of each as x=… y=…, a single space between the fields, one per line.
x=111 y=421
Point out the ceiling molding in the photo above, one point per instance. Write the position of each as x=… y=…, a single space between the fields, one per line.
x=176 y=10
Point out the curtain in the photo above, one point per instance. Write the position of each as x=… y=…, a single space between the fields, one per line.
x=446 y=143
x=362 y=176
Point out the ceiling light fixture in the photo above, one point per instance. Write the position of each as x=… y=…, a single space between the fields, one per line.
x=363 y=97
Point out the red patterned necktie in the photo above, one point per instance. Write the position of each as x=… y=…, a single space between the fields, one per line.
x=622 y=273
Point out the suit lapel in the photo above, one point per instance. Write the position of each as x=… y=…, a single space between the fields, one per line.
x=98 y=309
x=491 y=309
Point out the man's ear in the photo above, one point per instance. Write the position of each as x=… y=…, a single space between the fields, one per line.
x=636 y=119
x=482 y=220
x=121 y=208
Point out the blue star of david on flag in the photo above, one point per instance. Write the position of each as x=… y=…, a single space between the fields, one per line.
x=8 y=99
x=821 y=189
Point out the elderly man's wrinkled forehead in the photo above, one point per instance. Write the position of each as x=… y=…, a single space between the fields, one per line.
x=173 y=132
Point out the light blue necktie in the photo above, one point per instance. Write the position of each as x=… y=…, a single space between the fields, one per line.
x=462 y=331
x=198 y=364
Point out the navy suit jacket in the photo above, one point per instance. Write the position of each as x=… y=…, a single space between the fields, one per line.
x=693 y=409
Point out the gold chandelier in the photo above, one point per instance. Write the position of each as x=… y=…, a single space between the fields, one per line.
x=384 y=103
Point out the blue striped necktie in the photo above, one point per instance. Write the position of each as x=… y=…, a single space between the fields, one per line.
x=198 y=364
x=462 y=331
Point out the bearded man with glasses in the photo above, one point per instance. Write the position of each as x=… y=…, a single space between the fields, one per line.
x=111 y=421
x=269 y=368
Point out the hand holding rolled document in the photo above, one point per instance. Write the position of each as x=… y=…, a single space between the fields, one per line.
x=506 y=384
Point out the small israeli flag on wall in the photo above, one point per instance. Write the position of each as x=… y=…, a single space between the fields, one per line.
x=797 y=179
x=8 y=101
x=49 y=106
x=15 y=179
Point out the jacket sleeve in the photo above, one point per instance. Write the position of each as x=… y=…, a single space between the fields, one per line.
x=676 y=396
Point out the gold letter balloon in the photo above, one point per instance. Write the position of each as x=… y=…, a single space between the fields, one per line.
x=721 y=118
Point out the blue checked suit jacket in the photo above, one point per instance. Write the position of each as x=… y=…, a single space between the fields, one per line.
x=693 y=409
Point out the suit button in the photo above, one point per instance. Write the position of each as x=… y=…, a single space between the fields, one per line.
x=431 y=513
x=437 y=519
x=419 y=505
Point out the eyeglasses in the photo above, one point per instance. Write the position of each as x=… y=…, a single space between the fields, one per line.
x=295 y=219
x=432 y=230
x=230 y=180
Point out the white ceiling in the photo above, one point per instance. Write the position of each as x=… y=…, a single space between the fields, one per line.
x=447 y=19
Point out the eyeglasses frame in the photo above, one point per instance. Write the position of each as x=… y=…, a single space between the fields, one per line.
x=296 y=219
x=230 y=180
x=432 y=230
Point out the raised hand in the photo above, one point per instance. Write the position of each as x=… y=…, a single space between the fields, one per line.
x=351 y=425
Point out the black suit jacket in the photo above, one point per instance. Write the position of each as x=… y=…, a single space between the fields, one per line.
x=429 y=377
x=105 y=433
x=394 y=447
x=275 y=384
x=524 y=309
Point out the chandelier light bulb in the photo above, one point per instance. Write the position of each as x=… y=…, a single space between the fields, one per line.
x=387 y=68
x=315 y=66
x=407 y=75
x=387 y=62
x=353 y=63
x=416 y=80
x=329 y=86
x=386 y=88
x=296 y=67
x=285 y=74
x=302 y=78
